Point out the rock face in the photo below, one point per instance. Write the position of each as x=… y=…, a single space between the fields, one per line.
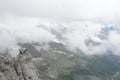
x=20 y=68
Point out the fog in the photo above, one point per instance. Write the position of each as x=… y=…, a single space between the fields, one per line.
x=89 y=25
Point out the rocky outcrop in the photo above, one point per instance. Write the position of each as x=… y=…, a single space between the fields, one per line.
x=19 y=68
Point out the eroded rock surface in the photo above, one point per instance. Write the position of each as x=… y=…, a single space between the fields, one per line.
x=19 y=68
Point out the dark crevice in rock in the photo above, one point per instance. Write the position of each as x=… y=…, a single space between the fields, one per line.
x=15 y=67
x=19 y=68
x=24 y=75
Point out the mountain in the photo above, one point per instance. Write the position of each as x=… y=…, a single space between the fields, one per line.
x=55 y=61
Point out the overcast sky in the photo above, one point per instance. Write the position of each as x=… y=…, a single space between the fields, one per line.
x=65 y=10
x=82 y=19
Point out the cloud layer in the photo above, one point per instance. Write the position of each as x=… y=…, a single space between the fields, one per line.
x=105 y=11
x=89 y=37
x=89 y=25
x=16 y=30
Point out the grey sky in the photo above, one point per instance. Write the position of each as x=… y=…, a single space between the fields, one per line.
x=67 y=10
x=82 y=19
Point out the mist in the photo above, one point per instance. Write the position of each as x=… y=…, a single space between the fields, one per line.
x=91 y=26
x=15 y=30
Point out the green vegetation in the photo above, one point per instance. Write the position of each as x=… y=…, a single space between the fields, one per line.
x=97 y=68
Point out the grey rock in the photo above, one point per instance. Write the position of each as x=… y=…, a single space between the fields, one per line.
x=19 y=68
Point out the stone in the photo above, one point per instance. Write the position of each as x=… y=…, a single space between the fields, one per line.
x=19 y=68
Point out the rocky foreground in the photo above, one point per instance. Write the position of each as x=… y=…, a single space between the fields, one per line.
x=19 y=68
x=57 y=63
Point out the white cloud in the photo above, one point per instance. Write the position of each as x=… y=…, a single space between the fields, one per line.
x=16 y=30
x=82 y=19
x=106 y=11
x=114 y=42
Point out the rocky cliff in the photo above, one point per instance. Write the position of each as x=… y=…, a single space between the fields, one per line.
x=19 y=68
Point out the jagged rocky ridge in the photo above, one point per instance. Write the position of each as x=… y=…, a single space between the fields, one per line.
x=58 y=63
x=19 y=68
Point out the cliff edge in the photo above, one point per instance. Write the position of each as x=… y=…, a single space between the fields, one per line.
x=19 y=68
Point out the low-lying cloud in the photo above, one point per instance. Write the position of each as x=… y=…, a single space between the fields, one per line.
x=15 y=30
x=89 y=25
x=89 y=37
